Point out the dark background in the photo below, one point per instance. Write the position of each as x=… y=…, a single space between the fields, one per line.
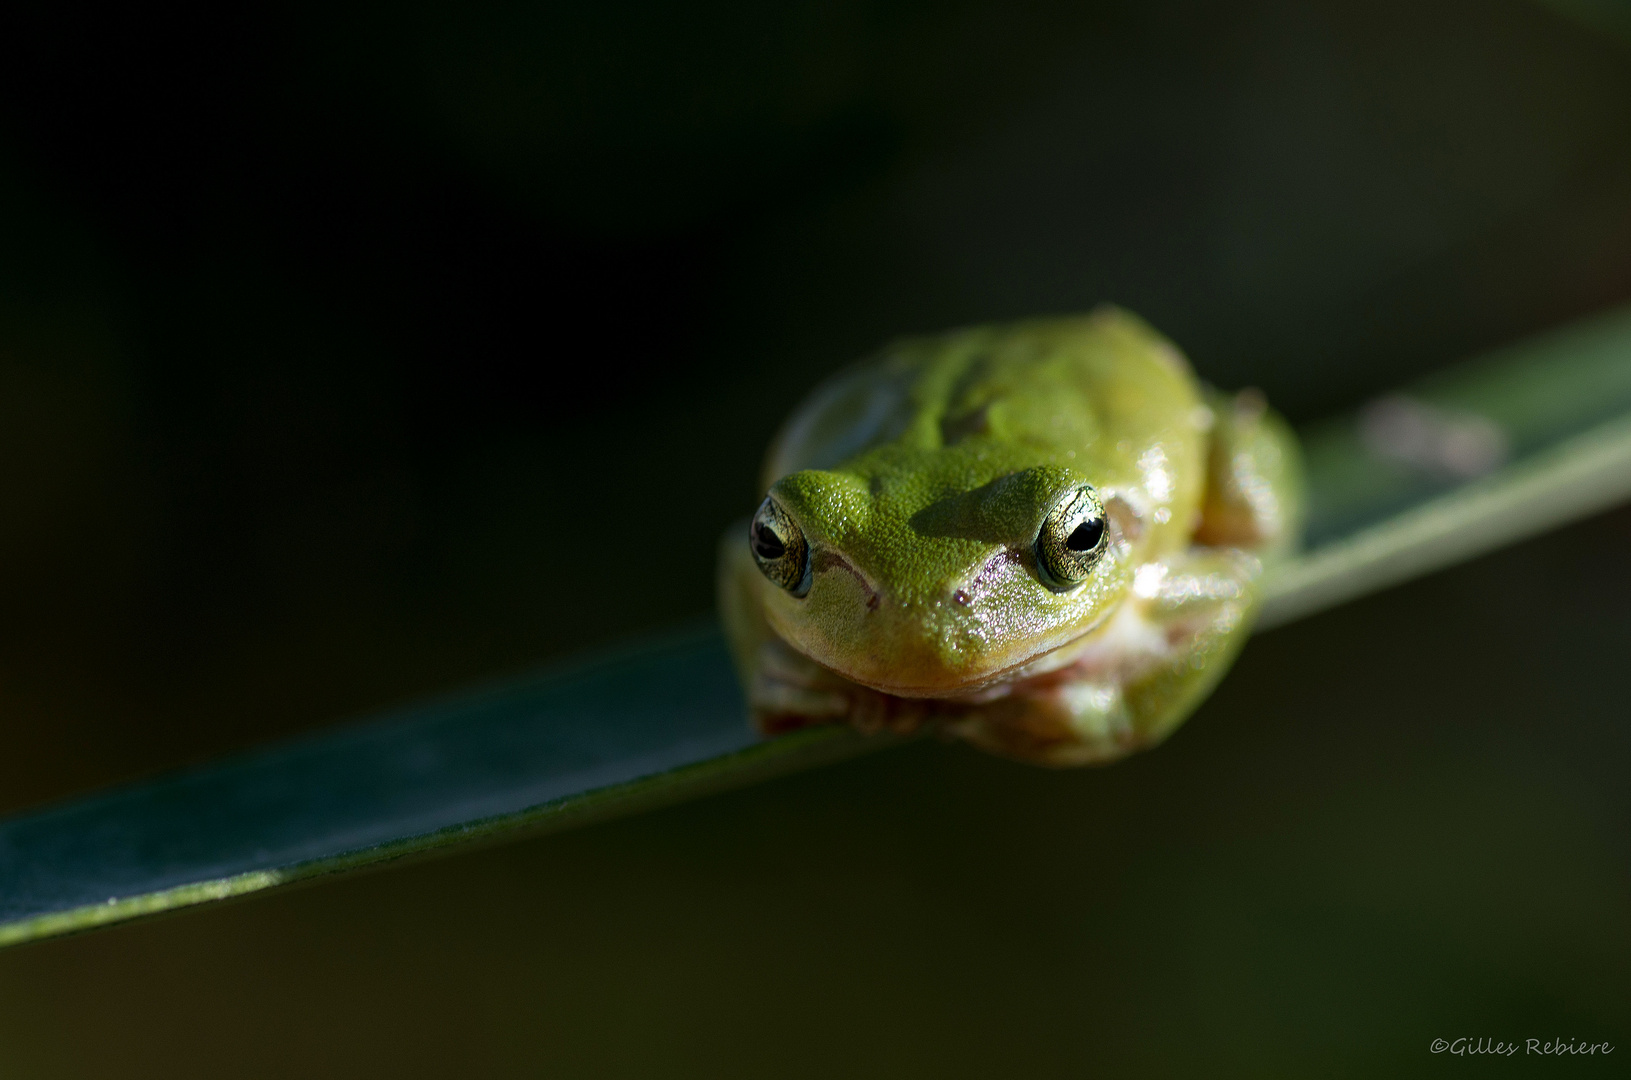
x=345 y=351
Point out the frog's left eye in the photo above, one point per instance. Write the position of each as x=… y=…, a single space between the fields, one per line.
x=1072 y=540
x=779 y=547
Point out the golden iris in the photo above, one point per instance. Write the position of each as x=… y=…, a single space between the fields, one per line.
x=779 y=547
x=1072 y=540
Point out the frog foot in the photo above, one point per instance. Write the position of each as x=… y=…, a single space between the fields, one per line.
x=789 y=691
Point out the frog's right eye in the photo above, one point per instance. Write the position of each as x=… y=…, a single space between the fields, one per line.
x=779 y=547
x=1072 y=540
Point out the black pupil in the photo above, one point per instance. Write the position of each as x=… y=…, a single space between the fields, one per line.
x=1085 y=537
x=766 y=544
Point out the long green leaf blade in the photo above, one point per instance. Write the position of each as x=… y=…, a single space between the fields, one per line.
x=664 y=721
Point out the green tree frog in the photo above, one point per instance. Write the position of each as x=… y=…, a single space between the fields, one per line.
x=1045 y=538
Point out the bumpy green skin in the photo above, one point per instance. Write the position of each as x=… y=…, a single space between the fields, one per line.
x=920 y=479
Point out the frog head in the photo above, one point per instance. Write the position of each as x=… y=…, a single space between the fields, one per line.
x=934 y=575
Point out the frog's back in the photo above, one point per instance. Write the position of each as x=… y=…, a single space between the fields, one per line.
x=1103 y=394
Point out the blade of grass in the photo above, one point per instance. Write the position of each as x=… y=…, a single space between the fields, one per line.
x=662 y=722
x=1560 y=405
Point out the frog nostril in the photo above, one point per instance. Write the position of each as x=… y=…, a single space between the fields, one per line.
x=961 y=597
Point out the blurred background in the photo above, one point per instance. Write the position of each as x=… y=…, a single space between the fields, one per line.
x=335 y=341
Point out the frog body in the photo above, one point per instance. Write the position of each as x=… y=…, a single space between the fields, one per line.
x=1043 y=537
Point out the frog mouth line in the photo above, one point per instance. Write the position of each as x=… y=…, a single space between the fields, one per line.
x=971 y=687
